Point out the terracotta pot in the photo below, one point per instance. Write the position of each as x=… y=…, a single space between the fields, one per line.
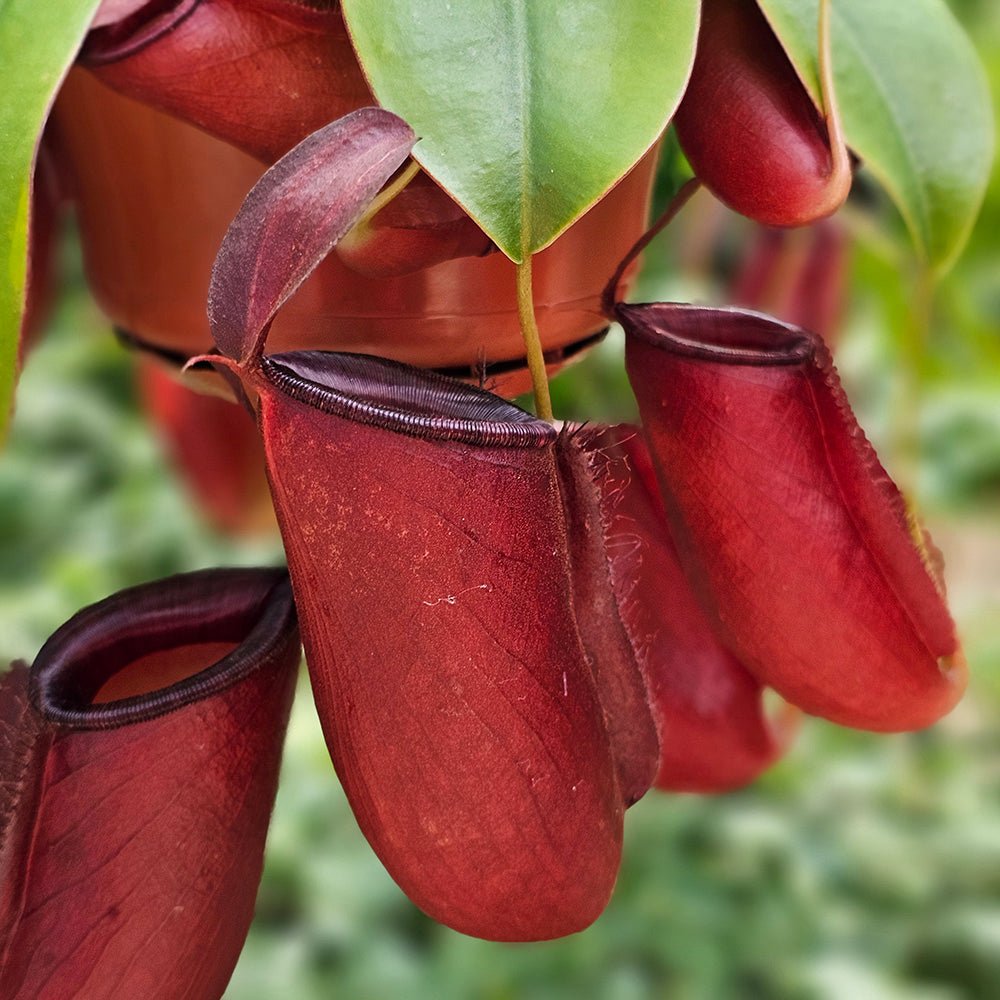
x=155 y=195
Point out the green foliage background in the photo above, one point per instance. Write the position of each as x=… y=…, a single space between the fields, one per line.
x=861 y=866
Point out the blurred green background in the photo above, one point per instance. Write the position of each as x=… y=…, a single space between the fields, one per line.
x=861 y=866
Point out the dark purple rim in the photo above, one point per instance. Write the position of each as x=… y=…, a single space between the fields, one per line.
x=398 y=397
x=649 y=322
x=119 y=41
x=250 y=607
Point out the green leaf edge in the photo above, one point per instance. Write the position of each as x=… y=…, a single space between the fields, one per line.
x=806 y=66
x=518 y=256
x=63 y=24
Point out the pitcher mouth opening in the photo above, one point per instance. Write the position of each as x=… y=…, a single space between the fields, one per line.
x=724 y=335
x=151 y=649
x=398 y=397
x=124 y=38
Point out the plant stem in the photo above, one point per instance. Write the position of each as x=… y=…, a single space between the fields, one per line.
x=679 y=200
x=532 y=341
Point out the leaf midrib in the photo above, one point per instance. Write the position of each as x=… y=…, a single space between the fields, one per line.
x=519 y=19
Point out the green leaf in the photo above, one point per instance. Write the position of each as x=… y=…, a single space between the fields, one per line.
x=915 y=105
x=38 y=40
x=528 y=111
